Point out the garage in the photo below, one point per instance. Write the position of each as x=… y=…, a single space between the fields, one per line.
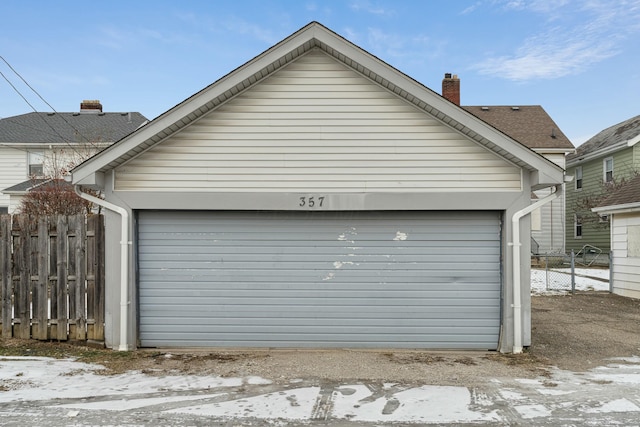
x=316 y=197
x=319 y=279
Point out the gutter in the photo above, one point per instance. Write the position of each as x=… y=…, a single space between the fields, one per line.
x=124 y=260
x=517 y=297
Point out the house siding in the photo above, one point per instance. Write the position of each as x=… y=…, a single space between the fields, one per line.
x=317 y=125
x=13 y=170
x=626 y=260
x=14 y=167
x=593 y=232
x=550 y=237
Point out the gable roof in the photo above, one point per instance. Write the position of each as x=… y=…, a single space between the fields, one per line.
x=627 y=197
x=611 y=139
x=65 y=128
x=528 y=124
x=315 y=36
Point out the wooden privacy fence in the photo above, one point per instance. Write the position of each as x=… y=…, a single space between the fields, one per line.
x=52 y=283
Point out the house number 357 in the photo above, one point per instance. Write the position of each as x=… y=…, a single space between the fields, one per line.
x=311 y=202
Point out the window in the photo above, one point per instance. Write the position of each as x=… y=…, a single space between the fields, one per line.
x=577 y=226
x=35 y=163
x=608 y=169
x=578 y=175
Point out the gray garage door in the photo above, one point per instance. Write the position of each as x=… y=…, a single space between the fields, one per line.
x=320 y=279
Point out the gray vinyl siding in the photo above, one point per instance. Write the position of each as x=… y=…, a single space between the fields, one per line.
x=593 y=232
x=319 y=279
x=318 y=126
x=625 y=245
x=550 y=237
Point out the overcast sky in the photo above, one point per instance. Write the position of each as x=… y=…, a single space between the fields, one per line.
x=579 y=59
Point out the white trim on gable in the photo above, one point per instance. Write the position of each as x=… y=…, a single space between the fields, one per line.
x=543 y=172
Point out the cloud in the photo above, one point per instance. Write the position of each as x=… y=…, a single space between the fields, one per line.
x=394 y=45
x=548 y=56
x=241 y=27
x=584 y=33
x=368 y=7
x=123 y=38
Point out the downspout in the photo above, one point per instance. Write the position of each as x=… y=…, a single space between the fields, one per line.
x=517 y=297
x=124 y=260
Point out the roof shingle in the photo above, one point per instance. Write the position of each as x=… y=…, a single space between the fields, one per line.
x=620 y=132
x=627 y=193
x=529 y=124
x=56 y=128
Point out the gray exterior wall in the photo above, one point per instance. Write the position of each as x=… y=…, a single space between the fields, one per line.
x=508 y=202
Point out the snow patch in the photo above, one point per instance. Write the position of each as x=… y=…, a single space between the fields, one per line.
x=619 y=405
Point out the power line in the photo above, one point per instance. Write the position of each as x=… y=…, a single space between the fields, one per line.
x=43 y=100
x=33 y=108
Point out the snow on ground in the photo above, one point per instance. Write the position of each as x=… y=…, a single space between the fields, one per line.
x=50 y=389
x=558 y=280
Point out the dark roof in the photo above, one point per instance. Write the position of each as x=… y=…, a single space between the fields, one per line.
x=39 y=183
x=26 y=185
x=625 y=194
x=529 y=124
x=55 y=128
x=610 y=136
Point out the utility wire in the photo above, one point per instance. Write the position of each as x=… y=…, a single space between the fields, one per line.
x=33 y=108
x=43 y=100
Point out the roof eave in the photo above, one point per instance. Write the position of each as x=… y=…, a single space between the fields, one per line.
x=598 y=153
x=618 y=209
x=554 y=150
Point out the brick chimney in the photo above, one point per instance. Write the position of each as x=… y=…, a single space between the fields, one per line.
x=89 y=105
x=451 y=88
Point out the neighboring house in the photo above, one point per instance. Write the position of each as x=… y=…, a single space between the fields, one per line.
x=599 y=166
x=623 y=209
x=36 y=146
x=533 y=127
x=318 y=197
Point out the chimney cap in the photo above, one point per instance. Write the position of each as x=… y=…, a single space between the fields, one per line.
x=447 y=75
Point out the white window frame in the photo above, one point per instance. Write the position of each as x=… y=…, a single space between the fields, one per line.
x=577 y=225
x=578 y=176
x=35 y=160
x=605 y=170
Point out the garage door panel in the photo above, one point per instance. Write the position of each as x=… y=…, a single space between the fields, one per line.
x=319 y=279
x=300 y=275
x=445 y=341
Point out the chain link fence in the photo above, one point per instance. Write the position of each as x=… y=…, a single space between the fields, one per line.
x=567 y=273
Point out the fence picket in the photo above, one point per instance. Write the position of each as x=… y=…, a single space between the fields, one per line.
x=41 y=300
x=22 y=278
x=62 y=307
x=95 y=276
x=52 y=277
x=77 y=222
x=5 y=275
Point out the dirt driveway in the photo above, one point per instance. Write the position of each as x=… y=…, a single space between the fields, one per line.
x=578 y=332
x=573 y=332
